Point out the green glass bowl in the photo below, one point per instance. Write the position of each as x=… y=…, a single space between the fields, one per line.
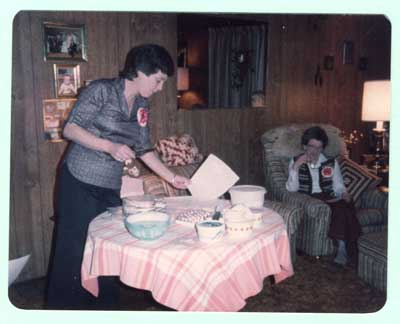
x=147 y=226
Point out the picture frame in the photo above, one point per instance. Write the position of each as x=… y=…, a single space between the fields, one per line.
x=55 y=113
x=66 y=80
x=64 y=42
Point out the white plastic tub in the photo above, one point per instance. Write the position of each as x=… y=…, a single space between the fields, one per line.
x=248 y=195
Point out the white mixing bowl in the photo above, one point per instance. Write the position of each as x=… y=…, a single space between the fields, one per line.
x=248 y=195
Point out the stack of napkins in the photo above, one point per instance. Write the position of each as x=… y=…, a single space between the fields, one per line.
x=212 y=179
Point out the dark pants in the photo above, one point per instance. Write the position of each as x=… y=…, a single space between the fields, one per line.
x=77 y=203
x=344 y=223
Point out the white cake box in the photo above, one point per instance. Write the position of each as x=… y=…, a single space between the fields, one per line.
x=248 y=195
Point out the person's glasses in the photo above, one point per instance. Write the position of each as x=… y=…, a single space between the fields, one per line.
x=314 y=147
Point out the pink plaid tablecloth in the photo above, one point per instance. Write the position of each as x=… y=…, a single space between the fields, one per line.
x=183 y=273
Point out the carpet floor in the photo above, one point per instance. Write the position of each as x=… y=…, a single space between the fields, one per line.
x=315 y=287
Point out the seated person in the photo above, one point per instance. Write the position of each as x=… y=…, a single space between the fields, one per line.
x=312 y=173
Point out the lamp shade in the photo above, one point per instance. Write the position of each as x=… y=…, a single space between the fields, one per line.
x=183 y=79
x=376 y=101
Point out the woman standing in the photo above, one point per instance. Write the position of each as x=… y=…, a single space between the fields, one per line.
x=107 y=126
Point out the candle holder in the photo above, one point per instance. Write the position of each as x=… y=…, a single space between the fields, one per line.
x=379 y=160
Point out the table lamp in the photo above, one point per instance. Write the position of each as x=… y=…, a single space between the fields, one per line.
x=182 y=82
x=376 y=108
x=183 y=79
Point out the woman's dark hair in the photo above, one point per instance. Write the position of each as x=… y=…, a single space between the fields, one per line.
x=149 y=59
x=316 y=133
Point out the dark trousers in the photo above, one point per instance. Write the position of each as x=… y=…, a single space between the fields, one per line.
x=344 y=223
x=77 y=203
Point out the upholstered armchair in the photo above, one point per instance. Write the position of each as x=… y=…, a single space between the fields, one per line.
x=279 y=146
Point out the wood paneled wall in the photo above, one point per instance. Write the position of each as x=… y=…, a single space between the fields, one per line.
x=297 y=44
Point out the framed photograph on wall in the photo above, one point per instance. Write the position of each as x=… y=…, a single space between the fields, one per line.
x=64 y=42
x=55 y=113
x=66 y=80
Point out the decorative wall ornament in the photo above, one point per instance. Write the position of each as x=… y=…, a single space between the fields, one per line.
x=241 y=66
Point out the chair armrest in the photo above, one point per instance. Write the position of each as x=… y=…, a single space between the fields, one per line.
x=373 y=198
x=313 y=207
x=292 y=215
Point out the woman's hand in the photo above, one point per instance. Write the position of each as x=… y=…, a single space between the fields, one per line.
x=346 y=197
x=179 y=182
x=303 y=159
x=154 y=163
x=121 y=152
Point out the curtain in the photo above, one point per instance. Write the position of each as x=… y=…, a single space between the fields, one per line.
x=237 y=63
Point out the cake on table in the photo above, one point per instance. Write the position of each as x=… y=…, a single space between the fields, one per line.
x=193 y=216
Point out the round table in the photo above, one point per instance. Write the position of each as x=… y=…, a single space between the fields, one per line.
x=182 y=272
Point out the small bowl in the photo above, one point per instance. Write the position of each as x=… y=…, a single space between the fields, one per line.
x=147 y=226
x=209 y=230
